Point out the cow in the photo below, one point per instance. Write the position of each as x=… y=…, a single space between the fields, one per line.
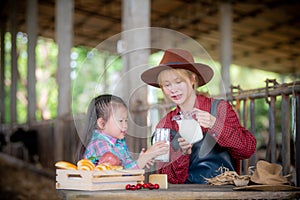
x=29 y=139
x=3 y=141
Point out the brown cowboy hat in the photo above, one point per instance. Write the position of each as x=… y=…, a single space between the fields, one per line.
x=268 y=174
x=178 y=59
x=268 y=177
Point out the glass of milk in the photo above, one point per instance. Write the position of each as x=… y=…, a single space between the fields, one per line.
x=162 y=134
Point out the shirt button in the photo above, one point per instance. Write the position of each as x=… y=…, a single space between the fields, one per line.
x=214 y=135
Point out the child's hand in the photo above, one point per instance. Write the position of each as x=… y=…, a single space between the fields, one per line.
x=150 y=162
x=146 y=157
x=158 y=148
x=139 y=161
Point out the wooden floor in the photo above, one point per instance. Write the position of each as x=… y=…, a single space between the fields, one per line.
x=19 y=182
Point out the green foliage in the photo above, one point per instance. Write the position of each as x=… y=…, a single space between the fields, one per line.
x=46 y=86
x=46 y=62
x=21 y=101
x=93 y=73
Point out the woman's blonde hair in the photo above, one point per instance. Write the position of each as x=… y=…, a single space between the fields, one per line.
x=183 y=73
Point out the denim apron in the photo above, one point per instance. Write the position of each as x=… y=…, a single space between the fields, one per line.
x=207 y=155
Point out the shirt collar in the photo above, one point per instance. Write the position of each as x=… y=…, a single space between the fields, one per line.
x=107 y=137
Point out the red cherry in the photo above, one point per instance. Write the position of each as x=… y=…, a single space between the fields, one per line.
x=151 y=187
x=156 y=186
x=127 y=187
x=145 y=185
x=133 y=187
x=139 y=186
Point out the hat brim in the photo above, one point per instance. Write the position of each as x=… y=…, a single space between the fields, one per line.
x=268 y=187
x=203 y=72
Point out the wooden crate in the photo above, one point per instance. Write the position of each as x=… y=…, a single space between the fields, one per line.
x=97 y=180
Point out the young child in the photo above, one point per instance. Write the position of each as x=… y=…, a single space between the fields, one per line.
x=107 y=124
x=225 y=141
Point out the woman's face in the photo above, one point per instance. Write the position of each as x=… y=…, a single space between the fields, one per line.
x=117 y=123
x=177 y=87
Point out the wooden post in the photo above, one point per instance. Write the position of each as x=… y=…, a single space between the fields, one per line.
x=297 y=136
x=226 y=43
x=64 y=37
x=136 y=14
x=285 y=128
x=14 y=63
x=245 y=162
x=32 y=27
x=2 y=67
x=252 y=161
x=271 y=148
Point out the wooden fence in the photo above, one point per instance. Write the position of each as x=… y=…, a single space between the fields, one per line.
x=283 y=137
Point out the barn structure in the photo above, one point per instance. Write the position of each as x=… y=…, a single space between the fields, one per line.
x=255 y=34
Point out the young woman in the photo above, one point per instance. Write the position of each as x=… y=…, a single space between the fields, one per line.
x=225 y=141
x=107 y=125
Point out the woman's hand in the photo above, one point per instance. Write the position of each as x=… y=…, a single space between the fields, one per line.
x=185 y=146
x=146 y=157
x=205 y=119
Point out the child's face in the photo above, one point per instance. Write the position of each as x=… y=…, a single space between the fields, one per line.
x=178 y=88
x=117 y=124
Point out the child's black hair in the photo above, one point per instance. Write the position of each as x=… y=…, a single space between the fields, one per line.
x=101 y=106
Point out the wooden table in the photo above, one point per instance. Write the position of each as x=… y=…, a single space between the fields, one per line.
x=186 y=191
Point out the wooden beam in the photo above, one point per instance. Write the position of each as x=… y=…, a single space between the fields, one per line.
x=64 y=38
x=14 y=63
x=2 y=70
x=226 y=46
x=32 y=29
x=136 y=37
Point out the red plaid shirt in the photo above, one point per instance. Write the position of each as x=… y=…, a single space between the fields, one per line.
x=227 y=131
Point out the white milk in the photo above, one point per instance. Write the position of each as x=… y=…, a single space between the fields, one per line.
x=190 y=130
x=162 y=134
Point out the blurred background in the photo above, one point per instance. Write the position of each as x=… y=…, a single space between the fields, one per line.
x=57 y=55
